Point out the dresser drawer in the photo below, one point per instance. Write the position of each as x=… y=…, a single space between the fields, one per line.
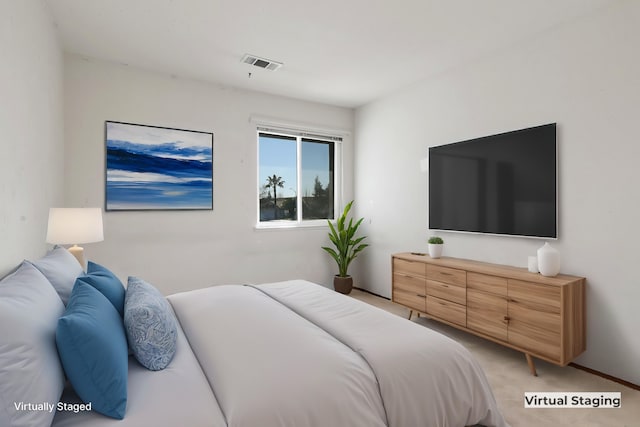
x=415 y=285
x=453 y=293
x=535 y=296
x=546 y=320
x=409 y=299
x=412 y=268
x=485 y=283
x=409 y=291
x=487 y=313
x=534 y=338
x=447 y=275
x=446 y=310
x=534 y=318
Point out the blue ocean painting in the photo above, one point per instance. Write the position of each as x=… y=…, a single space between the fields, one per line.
x=151 y=168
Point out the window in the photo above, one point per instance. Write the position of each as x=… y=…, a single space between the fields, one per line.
x=297 y=178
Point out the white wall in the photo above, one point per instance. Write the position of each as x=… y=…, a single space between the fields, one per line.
x=586 y=77
x=31 y=124
x=190 y=249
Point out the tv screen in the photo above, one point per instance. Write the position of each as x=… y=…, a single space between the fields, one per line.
x=501 y=184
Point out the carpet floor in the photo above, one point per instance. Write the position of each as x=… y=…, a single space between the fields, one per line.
x=509 y=375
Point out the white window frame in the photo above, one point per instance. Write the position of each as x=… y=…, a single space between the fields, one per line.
x=338 y=179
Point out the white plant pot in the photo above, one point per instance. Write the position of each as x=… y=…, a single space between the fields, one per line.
x=548 y=260
x=435 y=250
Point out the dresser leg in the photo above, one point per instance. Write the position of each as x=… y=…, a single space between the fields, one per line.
x=410 y=314
x=532 y=366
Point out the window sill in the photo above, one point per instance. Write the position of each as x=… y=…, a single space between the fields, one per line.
x=291 y=225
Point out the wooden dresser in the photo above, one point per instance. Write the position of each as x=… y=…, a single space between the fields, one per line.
x=540 y=316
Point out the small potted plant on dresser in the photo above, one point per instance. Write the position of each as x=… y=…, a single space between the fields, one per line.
x=347 y=248
x=435 y=246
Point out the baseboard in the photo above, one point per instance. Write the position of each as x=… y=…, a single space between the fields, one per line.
x=606 y=376
x=574 y=365
x=371 y=293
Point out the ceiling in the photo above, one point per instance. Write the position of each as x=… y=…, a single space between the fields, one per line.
x=338 y=52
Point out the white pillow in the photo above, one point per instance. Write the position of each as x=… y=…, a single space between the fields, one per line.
x=62 y=269
x=30 y=370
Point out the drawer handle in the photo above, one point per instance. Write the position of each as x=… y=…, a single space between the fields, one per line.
x=444 y=273
x=446 y=286
x=507 y=318
x=421 y=296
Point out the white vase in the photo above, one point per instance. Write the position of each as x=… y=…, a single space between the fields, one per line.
x=435 y=250
x=548 y=260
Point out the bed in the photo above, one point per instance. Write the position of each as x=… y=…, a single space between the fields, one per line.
x=297 y=354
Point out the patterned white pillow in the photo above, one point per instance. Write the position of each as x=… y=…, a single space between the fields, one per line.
x=150 y=325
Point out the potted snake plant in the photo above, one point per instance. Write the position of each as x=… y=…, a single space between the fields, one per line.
x=346 y=248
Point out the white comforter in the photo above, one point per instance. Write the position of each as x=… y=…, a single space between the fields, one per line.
x=297 y=354
x=425 y=378
x=270 y=368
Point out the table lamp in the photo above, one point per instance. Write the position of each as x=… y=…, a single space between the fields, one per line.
x=73 y=226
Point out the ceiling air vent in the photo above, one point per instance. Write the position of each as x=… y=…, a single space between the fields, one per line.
x=267 y=64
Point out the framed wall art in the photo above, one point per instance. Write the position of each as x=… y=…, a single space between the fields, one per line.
x=157 y=168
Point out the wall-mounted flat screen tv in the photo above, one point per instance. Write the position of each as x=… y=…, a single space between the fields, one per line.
x=505 y=184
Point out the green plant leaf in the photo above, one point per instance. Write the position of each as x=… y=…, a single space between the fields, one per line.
x=342 y=235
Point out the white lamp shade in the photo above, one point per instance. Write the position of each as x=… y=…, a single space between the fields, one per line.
x=69 y=226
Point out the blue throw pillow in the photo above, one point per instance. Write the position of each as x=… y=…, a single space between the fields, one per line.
x=93 y=350
x=150 y=324
x=107 y=283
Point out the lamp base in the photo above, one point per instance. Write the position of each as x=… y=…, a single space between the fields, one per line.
x=78 y=252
